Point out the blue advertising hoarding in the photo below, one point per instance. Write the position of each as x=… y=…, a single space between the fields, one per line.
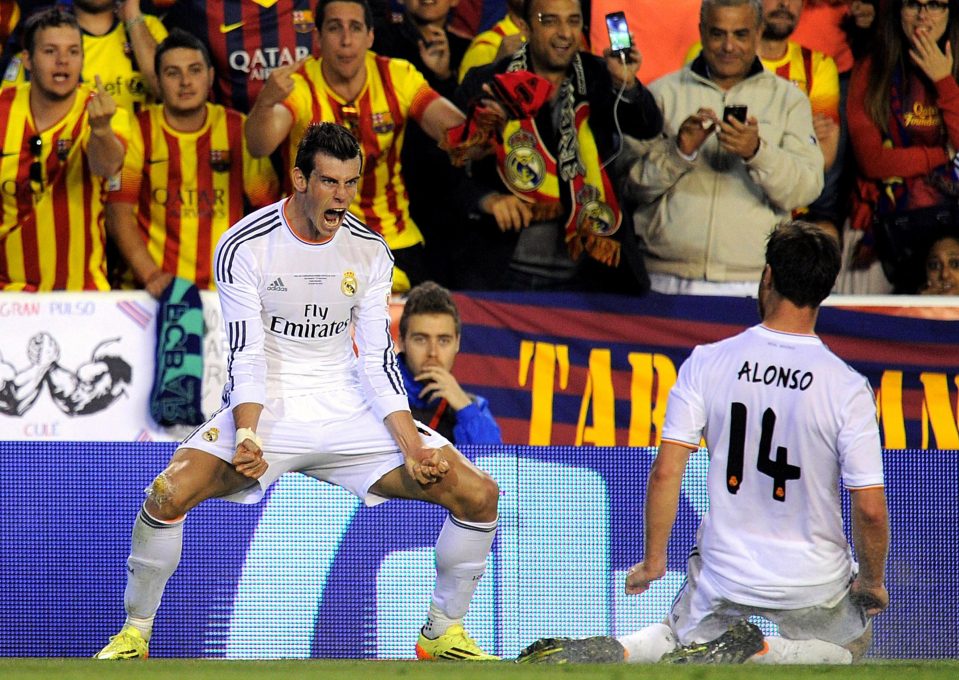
x=308 y=572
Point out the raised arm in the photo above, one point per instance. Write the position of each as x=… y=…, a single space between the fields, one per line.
x=104 y=150
x=269 y=122
x=142 y=41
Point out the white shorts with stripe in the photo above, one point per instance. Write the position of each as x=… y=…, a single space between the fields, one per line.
x=700 y=614
x=333 y=436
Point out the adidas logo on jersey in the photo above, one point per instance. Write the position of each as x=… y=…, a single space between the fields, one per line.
x=277 y=285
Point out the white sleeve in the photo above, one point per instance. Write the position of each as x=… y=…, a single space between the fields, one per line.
x=238 y=282
x=379 y=373
x=859 y=445
x=686 y=408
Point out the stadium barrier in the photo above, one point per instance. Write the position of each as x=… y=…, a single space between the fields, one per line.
x=558 y=369
x=310 y=573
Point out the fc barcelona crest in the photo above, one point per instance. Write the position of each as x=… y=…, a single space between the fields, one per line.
x=63 y=148
x=383 y=123
x=220 y=159
x=303 y=21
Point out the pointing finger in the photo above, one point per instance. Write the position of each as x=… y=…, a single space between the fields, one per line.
x=100 y=89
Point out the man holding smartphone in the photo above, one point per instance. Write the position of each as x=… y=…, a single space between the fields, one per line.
x=707 y=193
x=550 y=217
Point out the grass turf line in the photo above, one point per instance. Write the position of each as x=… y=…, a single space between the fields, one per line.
x=208 y=669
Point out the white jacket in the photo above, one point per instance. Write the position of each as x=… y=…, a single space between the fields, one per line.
x=709 y=218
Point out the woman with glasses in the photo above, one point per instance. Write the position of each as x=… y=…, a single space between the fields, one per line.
x=903 y=115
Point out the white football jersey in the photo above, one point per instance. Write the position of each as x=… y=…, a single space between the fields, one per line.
x=289 y=305
x=783 y=418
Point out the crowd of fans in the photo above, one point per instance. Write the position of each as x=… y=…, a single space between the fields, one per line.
x=505 y=146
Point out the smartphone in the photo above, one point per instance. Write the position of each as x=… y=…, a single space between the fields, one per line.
x=619 y=38
x=737 y=111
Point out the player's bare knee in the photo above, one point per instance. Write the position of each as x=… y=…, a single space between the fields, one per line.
x=162 y=498
x=479 y=502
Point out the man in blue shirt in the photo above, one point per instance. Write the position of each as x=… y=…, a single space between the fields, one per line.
x=429 y=340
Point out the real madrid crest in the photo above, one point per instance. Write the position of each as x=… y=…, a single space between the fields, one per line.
x=212 y=434
x=595 y=216
x=349 y=285
x=525 y=168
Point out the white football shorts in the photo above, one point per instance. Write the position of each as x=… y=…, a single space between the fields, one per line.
x=700 y=614
x=333 y=436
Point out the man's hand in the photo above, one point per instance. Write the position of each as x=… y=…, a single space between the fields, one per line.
x=827 y=134
x=248 y=459
x=509 y=45
x=279 y=85
x=863 y=13
x=508 y=210
x=157 y=283
x=427 y=466
x=435 y=52
x=695 y=130
x=641 y=575
x=873 y=599
x=623 y=72
x=101 y=108
x=925 y=54
x=441 y=383
x=741 y=139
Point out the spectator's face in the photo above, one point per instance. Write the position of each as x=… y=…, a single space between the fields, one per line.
x=185 y=80
x=555 y=30
x=344 y=40
x=430 y=340
x=781 y=18
x=730 y=37
x=942 y=267
x=924 y=16
x=95 y=6
x=56 y=61
x=327 y=192
x=429 y=11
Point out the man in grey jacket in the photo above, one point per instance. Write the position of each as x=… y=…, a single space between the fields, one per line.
x=707 y=193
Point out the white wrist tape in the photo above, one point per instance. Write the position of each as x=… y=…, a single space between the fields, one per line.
x=247 y=433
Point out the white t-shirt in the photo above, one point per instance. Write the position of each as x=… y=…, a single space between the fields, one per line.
x=288 y=307
x=784 y=418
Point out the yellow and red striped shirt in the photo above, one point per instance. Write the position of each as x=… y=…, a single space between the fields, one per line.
x=111 y=57
x=190 y=187
x=394 y=91
x=52 y=232
x=812 y=72
x=484 y=47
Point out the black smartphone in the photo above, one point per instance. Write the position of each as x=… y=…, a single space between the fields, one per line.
x=619 y=38
x=737 y=111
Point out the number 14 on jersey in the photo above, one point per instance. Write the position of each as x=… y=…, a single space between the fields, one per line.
x=778 y=468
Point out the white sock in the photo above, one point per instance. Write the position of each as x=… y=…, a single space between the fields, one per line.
x=461 y=552
x=782 y=651
x=154 y=555
x=647 y=645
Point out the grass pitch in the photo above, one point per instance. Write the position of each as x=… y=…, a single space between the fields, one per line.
x=205 y=669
